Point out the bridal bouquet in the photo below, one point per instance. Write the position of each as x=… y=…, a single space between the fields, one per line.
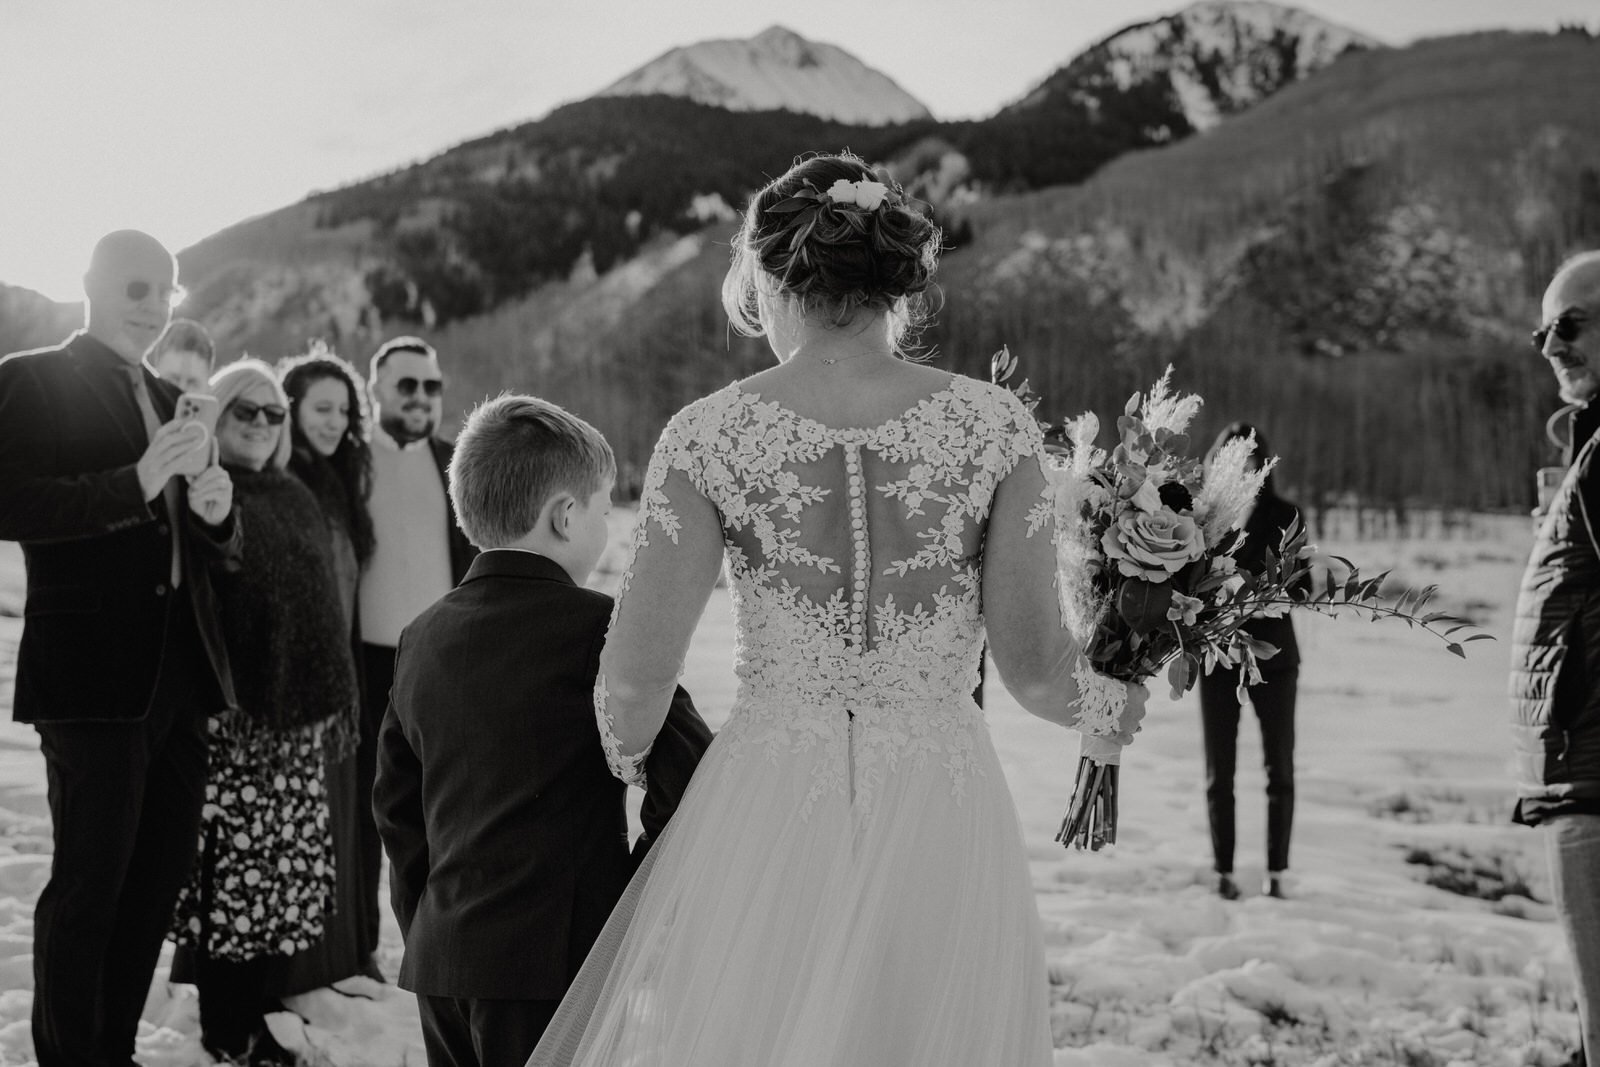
x=1145 y=542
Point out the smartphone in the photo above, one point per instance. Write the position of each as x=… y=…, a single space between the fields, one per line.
x=201 y=409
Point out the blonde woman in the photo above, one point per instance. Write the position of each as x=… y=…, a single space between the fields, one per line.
x=265 y=877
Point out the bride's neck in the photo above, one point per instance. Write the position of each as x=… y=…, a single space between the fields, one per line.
x=857 y=348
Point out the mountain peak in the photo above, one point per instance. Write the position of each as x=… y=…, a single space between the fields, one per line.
x=1217 y=57
x=777 y=68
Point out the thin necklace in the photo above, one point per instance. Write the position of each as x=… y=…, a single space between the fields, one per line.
x=828 y=361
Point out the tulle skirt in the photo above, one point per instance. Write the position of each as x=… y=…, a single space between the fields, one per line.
x=814 y=906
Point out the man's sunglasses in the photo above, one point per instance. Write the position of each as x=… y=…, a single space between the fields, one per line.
x=138 y=289
x=430 y=386
x=246 y=412
x=1566 y=328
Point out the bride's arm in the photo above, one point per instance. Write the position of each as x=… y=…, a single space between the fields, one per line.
x=1038 y=659
x=677 y=552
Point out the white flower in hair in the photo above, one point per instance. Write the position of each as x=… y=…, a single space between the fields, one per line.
x=863 y=194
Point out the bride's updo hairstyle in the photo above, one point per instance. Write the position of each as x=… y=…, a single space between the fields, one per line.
x=832 y=238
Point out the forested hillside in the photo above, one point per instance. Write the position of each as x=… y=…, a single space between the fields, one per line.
x=1353 y=265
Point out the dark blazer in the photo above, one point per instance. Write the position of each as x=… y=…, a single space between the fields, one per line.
x=98 y=556
x=462 y=553
x=506 y=830
x=1263 y=530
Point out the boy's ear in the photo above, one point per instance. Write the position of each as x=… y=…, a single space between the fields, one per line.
x=558 y=514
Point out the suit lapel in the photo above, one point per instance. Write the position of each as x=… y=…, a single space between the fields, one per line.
x=162 y=395
x=112 y=395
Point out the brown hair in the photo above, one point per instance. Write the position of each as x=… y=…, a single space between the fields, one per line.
x=832 y=258
x=185 y=335
x=396 y=345
x=513 y=455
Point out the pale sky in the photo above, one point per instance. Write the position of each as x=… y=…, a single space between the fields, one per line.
x=181 y=117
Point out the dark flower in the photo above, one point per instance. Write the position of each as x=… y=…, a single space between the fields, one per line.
x=1176 y=497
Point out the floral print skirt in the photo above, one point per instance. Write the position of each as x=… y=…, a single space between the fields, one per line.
x=264 y=877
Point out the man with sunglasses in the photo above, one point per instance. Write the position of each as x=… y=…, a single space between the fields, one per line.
x=1555 y=657
x=420 y=554
x=122 y=514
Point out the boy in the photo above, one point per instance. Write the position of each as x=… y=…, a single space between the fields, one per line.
x=506 y=831
x=184 y=356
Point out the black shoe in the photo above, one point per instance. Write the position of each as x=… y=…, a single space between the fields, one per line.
x=260 y=1050
x=371 y=970
x=1273 y=887
x=266 y=1052
x=1226 y=889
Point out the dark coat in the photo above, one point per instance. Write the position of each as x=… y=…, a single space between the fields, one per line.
x=281 y=615
x=1263 y=530
x=462 y=553
x=1555 y=645
x=506 y=830
x=97 y=555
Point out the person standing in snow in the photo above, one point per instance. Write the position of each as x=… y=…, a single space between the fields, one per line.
x=1555 y=655
x=123 y=519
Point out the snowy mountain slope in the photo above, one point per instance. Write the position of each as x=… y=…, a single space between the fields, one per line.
x=1215 y=58
x=777 y=68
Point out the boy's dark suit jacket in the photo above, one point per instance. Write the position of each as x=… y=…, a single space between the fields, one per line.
x=506 y=830
x=98 y=556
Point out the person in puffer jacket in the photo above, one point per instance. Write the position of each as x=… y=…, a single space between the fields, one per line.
x=1555 y=658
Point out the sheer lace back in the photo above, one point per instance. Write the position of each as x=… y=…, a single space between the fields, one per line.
x=854 y=561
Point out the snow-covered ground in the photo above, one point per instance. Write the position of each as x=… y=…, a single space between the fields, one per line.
x=1403 y=777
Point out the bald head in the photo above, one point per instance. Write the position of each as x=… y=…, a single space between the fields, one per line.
x=1568 y=336
x=119 y=249
x=130 y=286
x=1579 y=275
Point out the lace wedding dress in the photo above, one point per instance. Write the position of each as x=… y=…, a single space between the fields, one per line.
x=844 y=882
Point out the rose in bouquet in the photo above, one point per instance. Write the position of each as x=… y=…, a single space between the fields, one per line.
x=1145 y=542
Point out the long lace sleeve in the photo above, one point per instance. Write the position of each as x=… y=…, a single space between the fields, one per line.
x=677 y=550
x=1039 y=660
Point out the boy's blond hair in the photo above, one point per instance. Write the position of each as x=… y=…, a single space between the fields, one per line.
x=513 y=455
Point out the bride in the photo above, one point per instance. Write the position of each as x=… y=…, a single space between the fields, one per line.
x=844 y=882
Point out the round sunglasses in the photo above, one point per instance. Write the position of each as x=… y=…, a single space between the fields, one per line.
x=1566 y=328
x=246 y=411
x=138 y=289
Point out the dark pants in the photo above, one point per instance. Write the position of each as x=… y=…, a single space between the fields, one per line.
x=377 y=670
x=458 y=1032
x=125 y=804
x=234 y=1001
x=1273 y=700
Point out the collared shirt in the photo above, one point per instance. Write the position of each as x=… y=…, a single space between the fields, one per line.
x=410 y=564
x=1585 y=420
x=96 y=353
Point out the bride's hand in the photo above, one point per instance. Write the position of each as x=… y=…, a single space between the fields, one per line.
x=1133 y=713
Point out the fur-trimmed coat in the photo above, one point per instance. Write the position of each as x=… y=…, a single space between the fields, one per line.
x=281 y=617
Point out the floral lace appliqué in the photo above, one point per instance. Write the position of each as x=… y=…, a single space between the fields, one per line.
x=1100 y=701
x=630 y=769
x=856 y=682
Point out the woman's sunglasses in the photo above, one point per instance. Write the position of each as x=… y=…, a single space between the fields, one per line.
x=430 y=386
x=138 y=289
x=246 y=412
x=1566 y=328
